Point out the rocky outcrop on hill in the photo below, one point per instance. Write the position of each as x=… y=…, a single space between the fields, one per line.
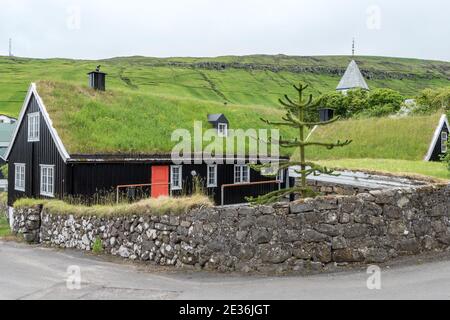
x=333 y=71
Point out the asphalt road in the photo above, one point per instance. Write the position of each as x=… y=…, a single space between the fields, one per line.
x=41 y=273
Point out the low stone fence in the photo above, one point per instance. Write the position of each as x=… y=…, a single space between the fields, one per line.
x=315 y=234
x=27 y=223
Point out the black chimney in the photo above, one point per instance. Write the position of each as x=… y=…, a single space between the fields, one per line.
x=97 y=79
x=326 y=114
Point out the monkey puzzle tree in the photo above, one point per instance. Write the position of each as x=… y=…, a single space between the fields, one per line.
x=295 y=118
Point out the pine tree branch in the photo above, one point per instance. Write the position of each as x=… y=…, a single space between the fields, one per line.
x=276 y=195
x=293 y=119
x=279 y=123
x=309 y=103
x=313 y=124
x=329 y=146
x=301 y=88
x=291 y=102
x=288 y=106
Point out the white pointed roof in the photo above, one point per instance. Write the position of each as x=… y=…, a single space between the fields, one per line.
x=352 y=78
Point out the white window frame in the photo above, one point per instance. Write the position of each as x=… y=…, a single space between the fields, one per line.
x=211 y=184
x=239 y=178
x=280 y=176
x=34 y=120
x=222 y=130
x=47 y=185
x=19 y=173
x=173 y=186
x=444 y=141
x=269 y=172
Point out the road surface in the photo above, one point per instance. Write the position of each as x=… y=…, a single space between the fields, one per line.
x=40 y=273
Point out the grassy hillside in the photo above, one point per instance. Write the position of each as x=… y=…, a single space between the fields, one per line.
x=245 y=81
x=129 y=122
x=378 y=138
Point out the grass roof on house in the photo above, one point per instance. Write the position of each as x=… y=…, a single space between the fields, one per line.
x=130 y=122
x=406 y=138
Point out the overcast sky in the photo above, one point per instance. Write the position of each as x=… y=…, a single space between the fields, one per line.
x=107 y=28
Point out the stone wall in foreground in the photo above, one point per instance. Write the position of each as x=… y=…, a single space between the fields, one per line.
x=315 y=234
x=27 y=223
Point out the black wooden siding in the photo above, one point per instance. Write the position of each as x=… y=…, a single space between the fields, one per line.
x=34 y=154
x=87 y=179
x=437 y=152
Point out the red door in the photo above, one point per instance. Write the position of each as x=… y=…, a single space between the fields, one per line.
x=160 y=181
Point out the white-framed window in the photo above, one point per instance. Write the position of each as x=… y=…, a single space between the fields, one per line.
x=176 y=177
x=212 y=176
x=280 y=176
x=241 y=174
x=444 y=141
x=19 y=177
x=222 y=130
x=33 y=127
x=271 y=172
x=47 y=181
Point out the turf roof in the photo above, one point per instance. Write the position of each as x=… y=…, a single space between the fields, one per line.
x=128 y=122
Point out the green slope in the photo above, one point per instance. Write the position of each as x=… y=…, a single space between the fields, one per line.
x=377 y=138
x=247 y=80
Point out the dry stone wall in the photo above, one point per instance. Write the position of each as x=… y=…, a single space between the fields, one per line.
x=311 y=235
x=27 y=222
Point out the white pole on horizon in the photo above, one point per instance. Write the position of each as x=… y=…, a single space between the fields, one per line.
x=10 y=47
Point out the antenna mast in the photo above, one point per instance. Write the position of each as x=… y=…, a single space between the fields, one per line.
x=10 y=47
x=353 y=48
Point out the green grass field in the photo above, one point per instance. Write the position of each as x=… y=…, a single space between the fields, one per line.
x=4 y=227
x=248 y=80
x=377 y=138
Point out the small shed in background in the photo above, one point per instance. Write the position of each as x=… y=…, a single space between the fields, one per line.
x=97 y=79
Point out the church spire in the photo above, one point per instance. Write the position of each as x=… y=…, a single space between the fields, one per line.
x=352 y=79
x=353 y=48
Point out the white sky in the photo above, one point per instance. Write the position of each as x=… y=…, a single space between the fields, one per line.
x=109 y=28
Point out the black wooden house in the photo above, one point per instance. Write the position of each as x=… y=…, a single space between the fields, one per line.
x=41 y=167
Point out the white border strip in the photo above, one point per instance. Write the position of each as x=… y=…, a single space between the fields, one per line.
x=436 y=136
x=33 y=91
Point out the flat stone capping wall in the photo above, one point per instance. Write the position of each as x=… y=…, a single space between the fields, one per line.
x=310 y=235
x=326 y=188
